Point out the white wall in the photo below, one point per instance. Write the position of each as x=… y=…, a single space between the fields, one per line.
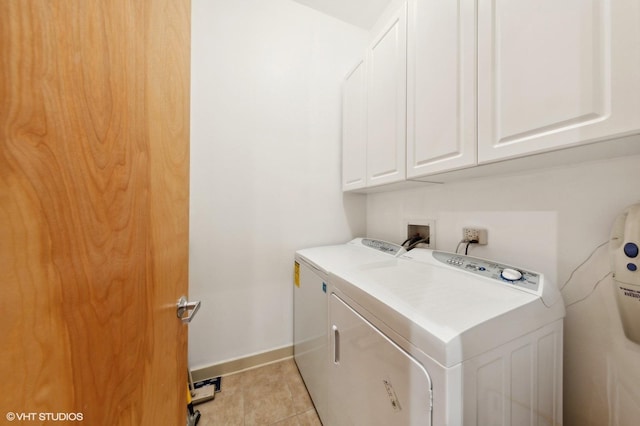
x=265 y=181
x=550 y=221
x=265 y=165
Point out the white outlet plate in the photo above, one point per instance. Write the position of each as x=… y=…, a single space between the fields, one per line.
x=475 y=234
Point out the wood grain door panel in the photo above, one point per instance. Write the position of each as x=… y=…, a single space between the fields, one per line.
x=94 y=151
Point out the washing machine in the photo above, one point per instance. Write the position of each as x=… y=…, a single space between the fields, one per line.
x=311 y=290
x=435 y=338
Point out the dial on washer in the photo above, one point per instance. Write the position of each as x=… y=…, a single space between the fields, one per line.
x=511 y=274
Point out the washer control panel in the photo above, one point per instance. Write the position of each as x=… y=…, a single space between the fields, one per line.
x=383 y=246
x=510 y=275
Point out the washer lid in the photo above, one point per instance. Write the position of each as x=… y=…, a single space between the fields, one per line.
x=450 y=314
x=351 y=254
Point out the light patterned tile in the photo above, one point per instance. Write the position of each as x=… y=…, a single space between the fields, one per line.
x=266 y=404
x=292 y=376
x=290 y=421
x=225 y=409
x=289 y=368
x=268 y=374
x=301 y=399
x=231 y=383
x=273 y=394
x=309 y=418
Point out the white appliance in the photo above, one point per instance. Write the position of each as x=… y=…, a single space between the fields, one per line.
x=311 y=323
x=625 y=238
x=444 y=339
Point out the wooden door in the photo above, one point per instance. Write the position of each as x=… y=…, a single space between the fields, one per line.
x=94 y=152
x=386 y=103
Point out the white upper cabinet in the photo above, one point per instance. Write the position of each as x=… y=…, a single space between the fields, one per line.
x=552 y=74
x=454 y=86
x=386 y=103
x=354 y=131
x=441 y=86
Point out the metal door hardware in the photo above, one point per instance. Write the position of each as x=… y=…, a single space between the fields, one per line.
x=186 y=310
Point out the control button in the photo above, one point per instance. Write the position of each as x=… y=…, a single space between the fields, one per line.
x=511 y=274
x=632 y=267
x=631 y=250
x=482 y=268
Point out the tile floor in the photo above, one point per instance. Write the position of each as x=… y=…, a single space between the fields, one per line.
x=273 y=394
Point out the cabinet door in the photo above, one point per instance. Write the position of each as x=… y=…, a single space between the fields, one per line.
x=553 y=74
x=386 y=103
x=441 y=80
x=354 y=129
x=372 y=380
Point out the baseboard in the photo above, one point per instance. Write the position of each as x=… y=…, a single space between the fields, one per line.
x=240 y=364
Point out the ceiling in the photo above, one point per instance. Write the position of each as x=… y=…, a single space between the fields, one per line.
x=362 y=13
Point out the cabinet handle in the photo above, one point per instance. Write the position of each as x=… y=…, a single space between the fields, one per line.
x=336 y=344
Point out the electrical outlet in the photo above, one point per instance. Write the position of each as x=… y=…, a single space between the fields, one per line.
x=475 y=234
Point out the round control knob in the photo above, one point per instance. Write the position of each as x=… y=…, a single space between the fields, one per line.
x=511 y=274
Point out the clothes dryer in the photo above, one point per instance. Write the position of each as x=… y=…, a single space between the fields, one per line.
x=444 y=339
x=311 y=289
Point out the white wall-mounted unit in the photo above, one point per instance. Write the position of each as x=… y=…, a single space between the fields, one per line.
x=354 y=129
x=498 y=87
x=441 y=86
x=374 y=109
x=556 y=74
x=386 y=103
